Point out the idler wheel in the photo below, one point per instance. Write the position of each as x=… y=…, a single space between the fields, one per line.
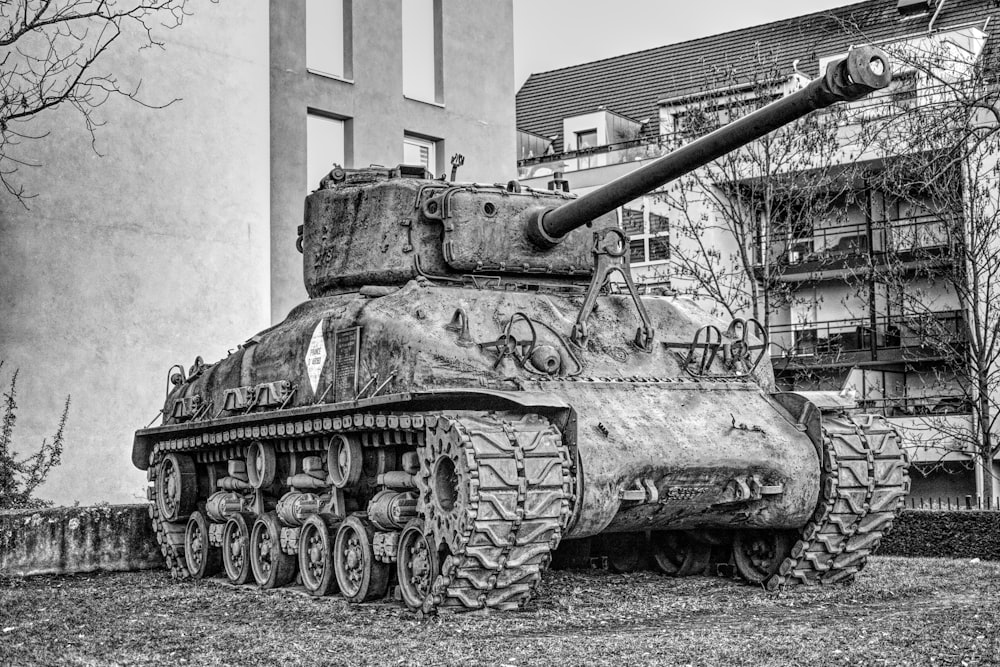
x=359 y=576
x=759 y=554
x=677 y=554
x=271 y=566
x=236 y=548
x=417 y=564
x=316 y=555
x=176 y=487
x=203 y=560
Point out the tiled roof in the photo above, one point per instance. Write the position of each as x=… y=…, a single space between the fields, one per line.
x=633 y=83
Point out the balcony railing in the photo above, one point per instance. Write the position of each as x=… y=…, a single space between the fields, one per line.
x=917 y=406
x=835 y=337
x=864 y=110
x=829 y=244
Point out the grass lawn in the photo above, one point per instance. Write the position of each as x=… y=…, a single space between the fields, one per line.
x=899 y=612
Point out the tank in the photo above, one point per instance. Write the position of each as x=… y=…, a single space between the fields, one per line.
x=476 y=386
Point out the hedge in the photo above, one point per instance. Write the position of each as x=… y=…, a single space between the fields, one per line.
x=940 y=533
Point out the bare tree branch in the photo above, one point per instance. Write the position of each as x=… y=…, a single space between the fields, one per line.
x=52 y=55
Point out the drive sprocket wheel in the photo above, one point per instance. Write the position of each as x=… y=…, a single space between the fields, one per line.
x=494 y=494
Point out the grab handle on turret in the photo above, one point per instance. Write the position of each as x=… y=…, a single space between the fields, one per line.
x=864 y=70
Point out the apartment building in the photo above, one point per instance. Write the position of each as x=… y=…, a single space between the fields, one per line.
x=178 y=239
x=833 y=322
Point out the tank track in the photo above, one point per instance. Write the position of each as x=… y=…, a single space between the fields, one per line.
x=863 y=485
x=518 y=504
x=517 y=507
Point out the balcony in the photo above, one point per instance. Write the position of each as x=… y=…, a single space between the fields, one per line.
x=931 y=428
x=598 y=156
x=852 y=342
x=936 y=437
x=846 y=246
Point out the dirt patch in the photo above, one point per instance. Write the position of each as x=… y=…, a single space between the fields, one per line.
x=900 y=612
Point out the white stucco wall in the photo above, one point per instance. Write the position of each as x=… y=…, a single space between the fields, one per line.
x=144 y=257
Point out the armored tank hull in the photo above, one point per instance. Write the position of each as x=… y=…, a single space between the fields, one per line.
x=476 y=380
x=496 y=471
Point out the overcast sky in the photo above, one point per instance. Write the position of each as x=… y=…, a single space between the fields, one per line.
x=549 y=34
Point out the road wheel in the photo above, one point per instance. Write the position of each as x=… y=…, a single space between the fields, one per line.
x=359 y=576
x=176 y=487
x=203 y=559
x=626 y=552
x=677 y=554
x=759 y=554
x=417 y=564
x=271 y=566
x=316 y=554
x=236 y=548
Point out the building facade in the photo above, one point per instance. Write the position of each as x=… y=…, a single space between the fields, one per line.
x=834 y=321
x=383 y=82
x=178 y=240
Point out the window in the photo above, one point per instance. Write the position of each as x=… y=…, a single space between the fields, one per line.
x=649 y=234
x=419 y=151
x=325 y=147
x=328 y=37
x=422 y=50
x=586 y=139
x=903 y=89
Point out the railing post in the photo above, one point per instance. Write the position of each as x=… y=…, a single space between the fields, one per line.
x=968 y=502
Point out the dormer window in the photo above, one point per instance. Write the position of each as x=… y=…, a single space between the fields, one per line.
x=586 y=139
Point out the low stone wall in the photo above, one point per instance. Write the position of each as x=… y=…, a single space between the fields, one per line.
x=64 y=540
x=937 y=533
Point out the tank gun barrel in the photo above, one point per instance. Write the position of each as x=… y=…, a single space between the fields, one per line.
x=863 y=71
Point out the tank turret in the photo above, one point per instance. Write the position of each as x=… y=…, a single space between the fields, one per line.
x=467 y=395
x=384 y=227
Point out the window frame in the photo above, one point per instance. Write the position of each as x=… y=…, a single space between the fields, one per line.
x=423 y=142
x=436 y=96
x=645 y=235
x=346 y=141
x=347 y=46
